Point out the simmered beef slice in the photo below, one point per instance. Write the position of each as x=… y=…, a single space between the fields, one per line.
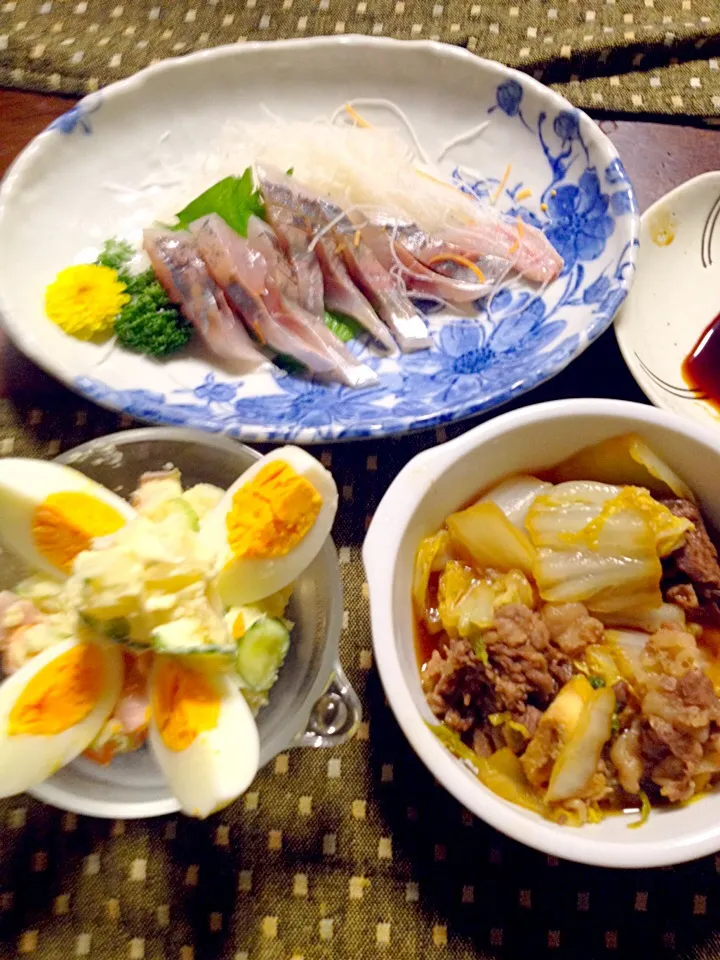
x=456 y=686
x=528 y=661
x=525 y=667
x=571 y=627
x=693 y=571
x=680 y=716
x=683 y=595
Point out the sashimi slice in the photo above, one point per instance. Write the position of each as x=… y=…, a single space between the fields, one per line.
x=291 y=232
x=439 y=254
x=314 y=334
x=343 y=296
x=522 y=245
x=185 y=278
x=374 y=281
x=418 y=277
x=239 y=270
x=263 y=238
x=242 y=273
x=491 y=239
x=382 y=290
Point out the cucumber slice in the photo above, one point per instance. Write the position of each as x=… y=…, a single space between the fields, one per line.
x=261 y=652
x=179 y=508
x=182 y=638
x=205 y=650
x=116 y=629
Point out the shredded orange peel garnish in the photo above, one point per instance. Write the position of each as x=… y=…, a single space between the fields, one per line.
x=84 y=300
x=515 y=246
x=352 y=112
x=501 y=186
x=456 y=258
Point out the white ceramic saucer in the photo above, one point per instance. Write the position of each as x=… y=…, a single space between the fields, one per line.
x=675 y=296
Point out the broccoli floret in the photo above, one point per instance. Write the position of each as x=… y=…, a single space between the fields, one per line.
x=146 y=282
x=149 y=323
x=115 y=254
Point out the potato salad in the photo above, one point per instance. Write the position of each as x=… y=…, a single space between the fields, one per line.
x=159 y=623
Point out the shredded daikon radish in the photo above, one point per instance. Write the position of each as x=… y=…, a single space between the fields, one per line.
x=378 y=171
x=462 y=138
x=359 y=167
x=270 y=115
x=325 y=230
x=396 y=111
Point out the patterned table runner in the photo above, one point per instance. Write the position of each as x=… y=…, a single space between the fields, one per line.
x=353 y=853
x=637 y=56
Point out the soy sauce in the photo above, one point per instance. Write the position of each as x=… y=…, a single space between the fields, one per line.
x=701 y=367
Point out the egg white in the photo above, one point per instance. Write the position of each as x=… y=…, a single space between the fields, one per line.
x=219 y=764
x=240 y=581
x=24 y=484
x=26 y=760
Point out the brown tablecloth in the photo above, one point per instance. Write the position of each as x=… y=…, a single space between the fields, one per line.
x=649 y=56
x=353 y=853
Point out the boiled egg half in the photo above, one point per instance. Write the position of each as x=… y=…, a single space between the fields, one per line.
x=270 y=525
x=202 y=733
x=53 y=707
x=49 y=513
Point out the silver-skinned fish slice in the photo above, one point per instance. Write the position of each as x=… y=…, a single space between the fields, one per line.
x=383 y=291
x=516 y=244
x=342 y=296
x=417 y=276
x=339 y=291
x=292 y=317
x=436 y=256
x=291 y=230
x=262 y=237
x=380 y=287
x=242 y=273
x=182 y=272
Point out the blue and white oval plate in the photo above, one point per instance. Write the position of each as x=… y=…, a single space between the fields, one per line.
x=62 y=197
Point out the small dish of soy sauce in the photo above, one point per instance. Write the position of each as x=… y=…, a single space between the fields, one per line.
x=669 y=327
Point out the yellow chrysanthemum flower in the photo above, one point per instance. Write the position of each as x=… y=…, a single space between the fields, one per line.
x=84 y=301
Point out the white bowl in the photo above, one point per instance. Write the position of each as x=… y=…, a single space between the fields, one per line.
x=440 y=480
x=676 y=294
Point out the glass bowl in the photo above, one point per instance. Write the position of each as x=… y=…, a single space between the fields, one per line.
x=312 y=703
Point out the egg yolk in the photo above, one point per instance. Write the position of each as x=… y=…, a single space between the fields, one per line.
x=238 y=627
x=271 y=514
x=64 y=525
x=60 y=695
x=184 y=704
